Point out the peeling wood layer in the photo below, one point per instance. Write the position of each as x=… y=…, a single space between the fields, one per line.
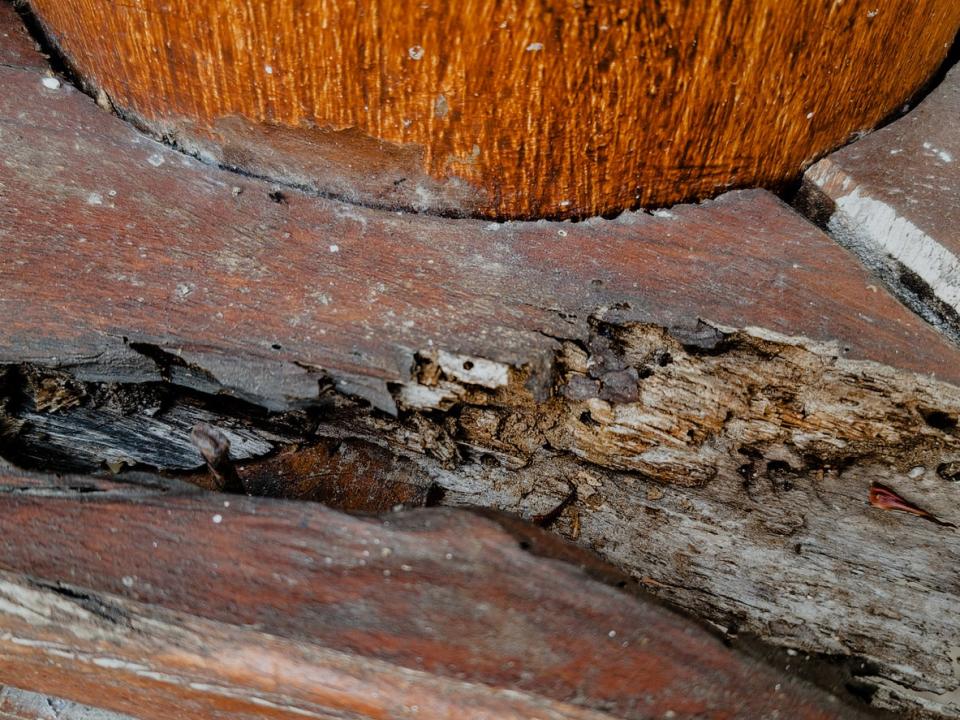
x=706 y=396
x=745 y=467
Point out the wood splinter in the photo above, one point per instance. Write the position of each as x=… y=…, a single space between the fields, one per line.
x=214 y=448
x=883 y=498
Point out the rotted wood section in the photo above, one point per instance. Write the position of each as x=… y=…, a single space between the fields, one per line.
x=522 y=109
x=718 y=399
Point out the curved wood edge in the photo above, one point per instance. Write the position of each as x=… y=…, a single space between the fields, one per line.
x=152 y=601
x=126 y=238
x=519 y=109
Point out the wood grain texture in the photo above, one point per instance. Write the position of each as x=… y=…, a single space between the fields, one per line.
x=894 y=199
x=513 y=108
x=218 y=268
x=128 y=263
x=235 y=607
x=17 y=48
x=22 y=705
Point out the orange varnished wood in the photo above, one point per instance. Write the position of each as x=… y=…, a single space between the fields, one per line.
x=114 y=236
x=521 y=108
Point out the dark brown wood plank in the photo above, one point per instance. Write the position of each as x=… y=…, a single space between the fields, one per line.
x=109 y=235
x=449 y=595
x=894 y=198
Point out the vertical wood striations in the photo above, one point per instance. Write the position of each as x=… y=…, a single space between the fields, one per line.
x=519 y=108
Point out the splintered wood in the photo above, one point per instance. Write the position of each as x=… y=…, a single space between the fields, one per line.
x=233 y=607
x=718 y=399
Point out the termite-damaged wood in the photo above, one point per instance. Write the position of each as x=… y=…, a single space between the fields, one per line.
x=232 y=607
x=704 y=395
x=216 y=280
x=16 y=704
x=508 y=108
x=776 y=538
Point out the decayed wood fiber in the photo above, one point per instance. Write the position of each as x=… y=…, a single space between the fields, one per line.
x=732 y=480
x=513 y=109
x=584 y=375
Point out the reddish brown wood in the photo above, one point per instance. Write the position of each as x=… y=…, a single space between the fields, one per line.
x=894 y=197
x=510 y=108
x=215 y=277
x=110 y=236
x=17 y=48
x=271 y=589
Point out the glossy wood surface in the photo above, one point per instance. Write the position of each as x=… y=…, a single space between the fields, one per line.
x=512 y=108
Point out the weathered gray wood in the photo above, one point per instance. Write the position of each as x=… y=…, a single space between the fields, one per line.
x=22 y=705
x=168 y=602
x=707 y=414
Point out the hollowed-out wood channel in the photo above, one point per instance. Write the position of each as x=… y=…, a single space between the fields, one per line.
x=506 y=108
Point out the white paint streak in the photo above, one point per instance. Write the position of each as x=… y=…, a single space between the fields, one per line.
x=473 y=370
x=879 y=225
x=423 y=396
x=115 y=664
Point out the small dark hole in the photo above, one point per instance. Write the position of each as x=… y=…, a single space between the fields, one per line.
x=949 y=471
x=596 y=282
x=861 y=690
x=278 y=197
x=468 y=365
x=435 y=495
x=277 y=346
x=524 y=545
x=939 y=420
x=778 y=466
x=489 y=461
x=664 y=358
x=586 y=418
x=644 y=373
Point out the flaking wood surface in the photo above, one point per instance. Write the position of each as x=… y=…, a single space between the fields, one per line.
x=16 y=704
x=167 y=600
x=522 y=108
x=729 y=471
